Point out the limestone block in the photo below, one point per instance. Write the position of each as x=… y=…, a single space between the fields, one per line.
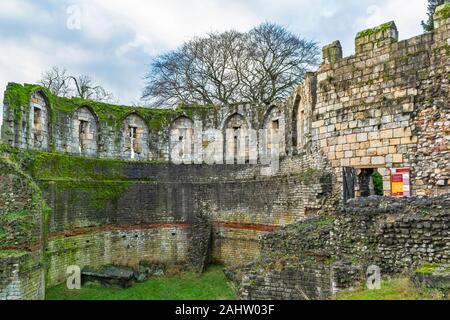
x=378 y=161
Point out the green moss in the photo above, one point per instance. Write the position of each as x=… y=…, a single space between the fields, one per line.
x=428 y=268
x=96 y=193
x=2 y=234
x=12 y=253
x=382 y=28
x=57 y=166
x=378 y=183
x=18 y=96
x=315 y=223
x=443 y=11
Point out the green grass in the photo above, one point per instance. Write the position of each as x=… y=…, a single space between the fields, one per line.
x=394 y=289
x=212 y=285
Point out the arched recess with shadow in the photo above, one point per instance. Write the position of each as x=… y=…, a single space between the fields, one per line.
x=275 y=123
x=85 y=132
x=232 y=137
x=295 y=124
x=181 y=140
x=135 y=138
x=39 y=133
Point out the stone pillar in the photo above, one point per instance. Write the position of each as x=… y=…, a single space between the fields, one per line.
x=377 y=37
x=442 y=15
x=332 y=52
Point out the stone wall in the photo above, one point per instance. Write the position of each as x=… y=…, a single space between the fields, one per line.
x=242 y=205
x=288 y=281
x=22 y=216
x=124 y=213
x=110 y=173
x=384 y=107
x=319 y=257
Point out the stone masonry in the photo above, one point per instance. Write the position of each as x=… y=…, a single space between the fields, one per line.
x=92 y=184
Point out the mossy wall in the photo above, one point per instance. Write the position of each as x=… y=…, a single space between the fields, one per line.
x=107 y=211
x=23 y=215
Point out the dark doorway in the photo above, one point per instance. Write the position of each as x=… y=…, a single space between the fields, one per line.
x=366 y=183
x=349 y=177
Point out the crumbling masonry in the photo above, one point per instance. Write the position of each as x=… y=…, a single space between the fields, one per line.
x=90 y=184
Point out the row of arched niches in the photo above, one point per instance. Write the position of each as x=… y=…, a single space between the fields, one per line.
x=85 y=129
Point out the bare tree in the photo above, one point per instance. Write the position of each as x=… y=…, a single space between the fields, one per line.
x=61 y=84
x=57 y=81
x=260 y=66
x=86 y=88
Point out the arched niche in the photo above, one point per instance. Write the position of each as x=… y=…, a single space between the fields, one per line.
x=85 y=132
x=233 y=141
x=39 y=122
x=135 y=138
x=298 y=125
x=275 y=123
x=294 y=125
x=181 y=139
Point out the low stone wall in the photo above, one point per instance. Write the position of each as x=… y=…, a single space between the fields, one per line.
x=286 y=280
x=121 y=247
x=397 y=235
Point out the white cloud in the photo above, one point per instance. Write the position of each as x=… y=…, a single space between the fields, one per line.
x=21 y=9
x=406 y=14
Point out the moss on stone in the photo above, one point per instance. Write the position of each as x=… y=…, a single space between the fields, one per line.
x=443 y=11
x=98 y=193
x=18 y=96
x=428 y=268
x=2 y=234
x=382 y=28
x=12 y=253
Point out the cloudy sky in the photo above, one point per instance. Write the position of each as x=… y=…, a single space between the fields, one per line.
x=114 y=40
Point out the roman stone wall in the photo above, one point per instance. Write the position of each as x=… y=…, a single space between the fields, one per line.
x=384 y=107
x=240 y=204
x=22 y=216
x=316 y=258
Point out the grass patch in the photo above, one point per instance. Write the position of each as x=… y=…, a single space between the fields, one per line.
x=393 y=289
x=212 y=285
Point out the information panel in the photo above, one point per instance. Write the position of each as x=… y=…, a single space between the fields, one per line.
x=400 y=182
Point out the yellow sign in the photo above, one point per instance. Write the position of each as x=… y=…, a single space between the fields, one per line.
x=397 y=187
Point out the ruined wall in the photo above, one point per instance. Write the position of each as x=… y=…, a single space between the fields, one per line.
x=22 y=215
x=384 y=107
x=122 y=201
x=325 y=255
x=289 y=281
x=241 y=205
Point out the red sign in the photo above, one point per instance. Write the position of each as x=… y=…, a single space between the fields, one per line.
x=400 y=182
